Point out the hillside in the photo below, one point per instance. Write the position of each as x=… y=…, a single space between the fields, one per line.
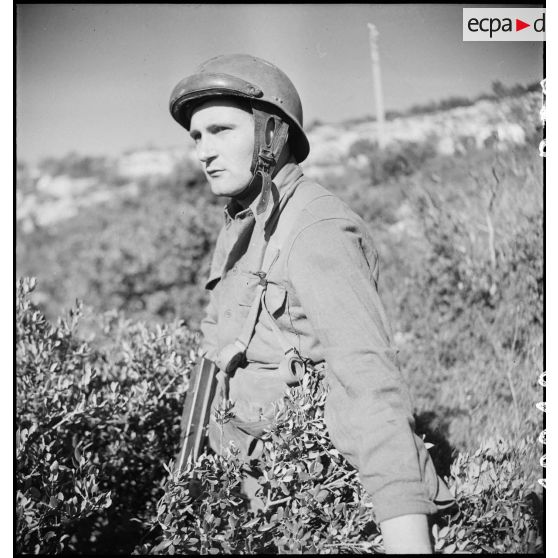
x=60 y=189
x=138 y=236
x=454 y=203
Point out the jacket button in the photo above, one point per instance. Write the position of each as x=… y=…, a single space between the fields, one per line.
x=235 y=270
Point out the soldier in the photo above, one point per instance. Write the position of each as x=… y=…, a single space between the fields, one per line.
x=294 y=277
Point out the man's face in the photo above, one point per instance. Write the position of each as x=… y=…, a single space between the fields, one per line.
x=224 y=136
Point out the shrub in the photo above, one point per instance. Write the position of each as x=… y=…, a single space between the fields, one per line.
x=96 y=427
x=396 y=160
x=147 y=256
x=461 y=278
x=402 y=159
x=436 y=106
x=93 y=427
x=76 y=166
x=498 y=512
x=471 y=305
x=314 y=502
x=57 y=468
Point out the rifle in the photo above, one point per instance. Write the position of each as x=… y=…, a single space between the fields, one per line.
x=197 y=408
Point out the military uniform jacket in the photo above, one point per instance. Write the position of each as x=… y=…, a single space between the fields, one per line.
x=322 y=293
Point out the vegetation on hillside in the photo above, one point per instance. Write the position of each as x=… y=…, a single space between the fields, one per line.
x=100 y=384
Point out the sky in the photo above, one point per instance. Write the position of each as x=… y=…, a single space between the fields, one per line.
x=96 y=78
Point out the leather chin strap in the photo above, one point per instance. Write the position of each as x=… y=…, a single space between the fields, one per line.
x=271 y=135
x=270 y=138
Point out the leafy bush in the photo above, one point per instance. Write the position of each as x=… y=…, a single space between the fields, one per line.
x=313 y=501
x=396 y=160
x=147 y=256
x=97 y=426
x=443 y=104
x=497 y=510
x=499 y=92
x=461 y=254
x=94 y=426
x=469 y=312
x=76 y=166
x=57 y=470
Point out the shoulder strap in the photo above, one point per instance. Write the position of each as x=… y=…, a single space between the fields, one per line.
x=231 y=355
x=287 y=222
x=305 y=192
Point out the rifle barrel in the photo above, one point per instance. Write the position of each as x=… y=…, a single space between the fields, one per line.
x=197 y=408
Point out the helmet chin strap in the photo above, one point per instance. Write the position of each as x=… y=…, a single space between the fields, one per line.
x=271 y=134
x=270 y=138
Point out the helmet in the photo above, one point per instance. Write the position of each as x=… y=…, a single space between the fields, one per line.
x=248 y=77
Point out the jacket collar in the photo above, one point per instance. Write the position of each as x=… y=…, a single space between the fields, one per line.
x=287 y=176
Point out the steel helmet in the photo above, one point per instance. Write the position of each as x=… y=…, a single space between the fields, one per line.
x=248 y=77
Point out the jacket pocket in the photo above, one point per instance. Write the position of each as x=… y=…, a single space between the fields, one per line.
x=243 y=285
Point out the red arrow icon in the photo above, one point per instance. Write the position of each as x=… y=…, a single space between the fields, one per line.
x=519 y=24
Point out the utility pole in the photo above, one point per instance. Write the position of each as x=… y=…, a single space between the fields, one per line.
x=377 y=78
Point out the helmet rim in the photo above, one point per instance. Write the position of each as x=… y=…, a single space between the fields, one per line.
x=211 y=80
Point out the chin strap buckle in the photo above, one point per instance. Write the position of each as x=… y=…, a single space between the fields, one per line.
x=266 y=159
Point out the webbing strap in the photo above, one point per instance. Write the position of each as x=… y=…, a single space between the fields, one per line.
x=285 y=345
x=273 y=138
x=230 y=356
x=250 y=323
x=269 y=254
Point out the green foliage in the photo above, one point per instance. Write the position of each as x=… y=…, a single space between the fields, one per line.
x=311 y=498
x=92 y=425
x=148 y=256
x=397 y=160
x=472 y=305
x=497 y=512
x=76 y=166
x=499 y=92
x=313 y=501
x=57 y=471
x=443 y=104
x=96 y=427
x=99 y=396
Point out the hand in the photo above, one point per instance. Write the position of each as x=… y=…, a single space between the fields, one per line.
x=406 y=534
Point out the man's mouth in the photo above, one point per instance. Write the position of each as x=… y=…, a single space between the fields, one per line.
x=214 y=172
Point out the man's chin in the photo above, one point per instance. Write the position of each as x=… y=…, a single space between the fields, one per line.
x=224 y=191
x=216 y=188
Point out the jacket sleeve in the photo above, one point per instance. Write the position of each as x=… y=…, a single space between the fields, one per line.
x=333 y=270
x=209 y=323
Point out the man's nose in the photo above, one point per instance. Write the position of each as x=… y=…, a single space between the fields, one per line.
x=206 y=149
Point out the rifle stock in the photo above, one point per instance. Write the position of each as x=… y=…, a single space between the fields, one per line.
x=197 y=408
